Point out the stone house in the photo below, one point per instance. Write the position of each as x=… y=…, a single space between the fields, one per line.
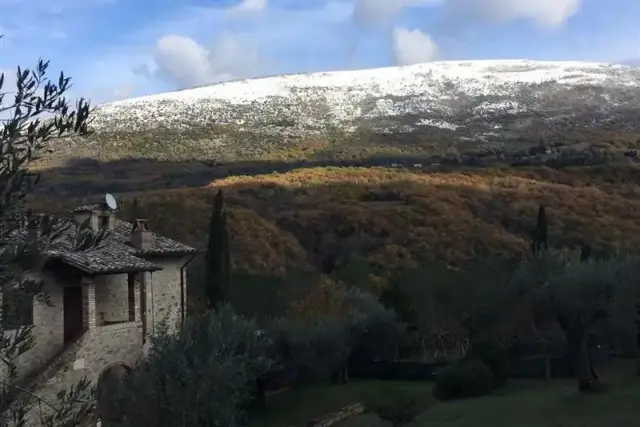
x=104 y=302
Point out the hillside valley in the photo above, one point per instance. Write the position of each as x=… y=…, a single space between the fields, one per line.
x=447 y=165
x=362 y=224
x=346 y=213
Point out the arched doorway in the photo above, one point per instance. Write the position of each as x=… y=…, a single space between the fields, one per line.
x=107 y=394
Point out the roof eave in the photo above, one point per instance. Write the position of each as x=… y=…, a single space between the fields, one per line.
x=101 y=272
x=167 y=253
x=131 y=270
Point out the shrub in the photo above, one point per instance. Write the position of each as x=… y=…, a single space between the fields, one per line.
x=468 y=378
x=394 y=406
x=494 y=357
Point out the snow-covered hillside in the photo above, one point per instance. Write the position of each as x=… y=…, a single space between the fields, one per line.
x=445 y=95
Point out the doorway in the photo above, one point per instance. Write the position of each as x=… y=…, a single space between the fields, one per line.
x=72 y=306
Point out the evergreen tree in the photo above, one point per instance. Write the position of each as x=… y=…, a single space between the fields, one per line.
x=637 y=321
x=218 y=257
x=585 y=253
x=540 y=235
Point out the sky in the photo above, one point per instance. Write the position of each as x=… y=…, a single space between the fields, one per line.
x=117 y=49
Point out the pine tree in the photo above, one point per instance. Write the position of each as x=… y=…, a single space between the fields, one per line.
x=218 y=257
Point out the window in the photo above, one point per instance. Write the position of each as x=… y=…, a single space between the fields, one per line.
x=104 y=221
x=17 y=309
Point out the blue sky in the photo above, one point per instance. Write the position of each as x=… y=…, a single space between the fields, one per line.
x=114 y=49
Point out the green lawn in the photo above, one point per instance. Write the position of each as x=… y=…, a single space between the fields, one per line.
x=295 y=407
x=541 y=404
x=518 y=404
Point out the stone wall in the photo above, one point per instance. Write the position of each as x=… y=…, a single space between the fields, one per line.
x=163 y=293
x=102 y=347
x=48 y=329
x=112 y=298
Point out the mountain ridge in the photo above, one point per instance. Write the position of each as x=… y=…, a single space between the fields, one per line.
x=423 y=109
x=522 y=61
x=389 y=91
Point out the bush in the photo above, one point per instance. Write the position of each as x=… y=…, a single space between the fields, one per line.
x=469 y=378
x=494 y=357
x=396 y=407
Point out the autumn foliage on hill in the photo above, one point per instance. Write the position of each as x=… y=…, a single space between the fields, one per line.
x=335 y=220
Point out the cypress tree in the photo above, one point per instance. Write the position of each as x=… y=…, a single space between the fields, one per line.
x=540 y=235
x=585 y=253
x=638 y=335
x=218 y=259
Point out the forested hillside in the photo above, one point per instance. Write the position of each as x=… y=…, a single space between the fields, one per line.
x=362 y=224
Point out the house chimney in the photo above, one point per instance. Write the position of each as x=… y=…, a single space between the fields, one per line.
x=141 y=237
x=105 y=219
x=84 y=212
x=94 y=220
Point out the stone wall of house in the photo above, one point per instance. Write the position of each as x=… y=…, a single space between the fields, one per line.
x=163 y=293
x=101 y=348
x=47 y=331
x=112 y=298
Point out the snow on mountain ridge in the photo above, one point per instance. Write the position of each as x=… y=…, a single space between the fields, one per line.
x=259 y=88
x=435 y=91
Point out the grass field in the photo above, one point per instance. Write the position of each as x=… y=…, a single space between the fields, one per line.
x=518 y=404
x=295 y=407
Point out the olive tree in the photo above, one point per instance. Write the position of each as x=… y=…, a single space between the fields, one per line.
x=575 y=292
x=33 y=114
x=321 y=347
x=203 y=375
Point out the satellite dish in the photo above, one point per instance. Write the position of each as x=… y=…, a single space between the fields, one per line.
x=110 y=201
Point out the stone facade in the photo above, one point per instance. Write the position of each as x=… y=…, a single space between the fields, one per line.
x=48 y=329
x=110 y=336
x=112 y=298
x=163 y=299
x=113 y=312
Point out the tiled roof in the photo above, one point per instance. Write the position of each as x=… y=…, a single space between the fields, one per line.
x=106 y=260
x=160 y=245
x=115 y=254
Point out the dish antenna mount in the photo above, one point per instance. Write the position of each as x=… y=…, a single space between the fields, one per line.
x=110 y=201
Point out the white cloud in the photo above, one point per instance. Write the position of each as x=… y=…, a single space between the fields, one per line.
x=59 y=35
x=185 y=63
x=412 y=46
x=376 y=11
x=248 y=7
x=182 y=60
x=381 y=11
x=545 y=13
x=123 y=91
